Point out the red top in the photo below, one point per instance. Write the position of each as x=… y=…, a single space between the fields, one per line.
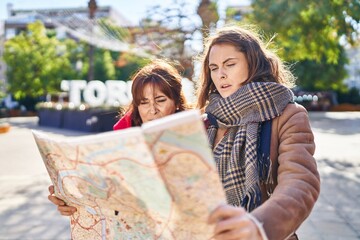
x=124 y=122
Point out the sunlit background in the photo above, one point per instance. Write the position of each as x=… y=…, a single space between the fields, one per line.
x=110 y=40
x=65 y=68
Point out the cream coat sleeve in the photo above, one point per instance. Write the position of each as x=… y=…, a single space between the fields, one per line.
x=295 y=171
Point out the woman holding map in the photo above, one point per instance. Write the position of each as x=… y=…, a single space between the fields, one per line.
x=157 y=92
x=243 y=85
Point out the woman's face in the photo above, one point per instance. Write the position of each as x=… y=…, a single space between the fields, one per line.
x=228 y=68
x=155 y=104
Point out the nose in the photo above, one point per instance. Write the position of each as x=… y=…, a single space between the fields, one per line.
x=153 y=110
x=222 y=74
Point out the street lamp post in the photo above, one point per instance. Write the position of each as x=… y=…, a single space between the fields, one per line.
x=92 y=9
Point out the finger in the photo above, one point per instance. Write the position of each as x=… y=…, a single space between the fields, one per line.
x=56 y=201
x=63 y=213
x=229 y=224
x=225 y=211
x=236 y=234
x=51 y=189
x=67 y=210
x=236 y=222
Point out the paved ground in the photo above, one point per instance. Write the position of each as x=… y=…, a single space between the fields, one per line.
x=25 y=212
x=336 y=215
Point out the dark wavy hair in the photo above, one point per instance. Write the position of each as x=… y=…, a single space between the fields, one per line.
x=264 y=65
x=160 y=74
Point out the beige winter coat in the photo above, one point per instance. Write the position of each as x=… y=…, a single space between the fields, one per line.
x=297 y=181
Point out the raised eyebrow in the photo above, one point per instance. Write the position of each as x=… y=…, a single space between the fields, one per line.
x=226 y=60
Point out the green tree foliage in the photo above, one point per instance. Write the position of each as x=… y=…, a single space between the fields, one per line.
x=36 y=62
x=104 y=65
x=127 y=64
x=110 y=65
x=320 y=75
x=309 y=30
x=309 y=33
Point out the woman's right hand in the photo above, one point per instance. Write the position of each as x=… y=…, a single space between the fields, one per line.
x=62 y=207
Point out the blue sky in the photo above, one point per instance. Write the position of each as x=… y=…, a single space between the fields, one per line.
x=133 y=10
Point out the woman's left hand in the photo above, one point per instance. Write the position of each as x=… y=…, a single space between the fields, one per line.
x=233 y=223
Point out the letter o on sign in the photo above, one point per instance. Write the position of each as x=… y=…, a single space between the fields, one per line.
x=95 y=93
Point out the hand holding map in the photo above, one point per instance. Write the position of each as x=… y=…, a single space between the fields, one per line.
x=157 y=181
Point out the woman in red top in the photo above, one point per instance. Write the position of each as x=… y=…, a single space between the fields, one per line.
x=157 y=92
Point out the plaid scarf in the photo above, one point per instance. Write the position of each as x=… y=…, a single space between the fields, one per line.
x=240 y=168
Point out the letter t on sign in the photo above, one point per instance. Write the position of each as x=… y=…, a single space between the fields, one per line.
x=74 y=87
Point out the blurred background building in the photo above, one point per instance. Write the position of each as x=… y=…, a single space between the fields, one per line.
x=109 y=46
x=73 y=18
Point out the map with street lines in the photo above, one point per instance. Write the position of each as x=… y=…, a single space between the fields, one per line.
x=157 y=181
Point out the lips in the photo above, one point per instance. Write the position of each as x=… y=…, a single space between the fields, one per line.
x=225 y=86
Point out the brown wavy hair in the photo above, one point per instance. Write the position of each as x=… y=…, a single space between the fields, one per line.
x=264 y=65
x=160 y=74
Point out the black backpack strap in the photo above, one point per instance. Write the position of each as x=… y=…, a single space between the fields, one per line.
x=212 y=120
x=265 y=138
x=264 y=150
